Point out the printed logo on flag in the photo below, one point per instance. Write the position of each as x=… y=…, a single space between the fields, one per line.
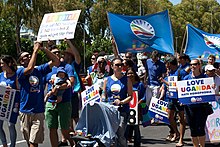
x=212 y=41
x=142 y=29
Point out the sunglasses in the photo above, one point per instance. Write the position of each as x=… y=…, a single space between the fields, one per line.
x=119 y=64
x=56 y=52
x=194 y=64
x=100 y=62
x=92 y=58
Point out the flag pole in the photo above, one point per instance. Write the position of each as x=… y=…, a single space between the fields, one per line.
x=114 y=44
x=181 y=51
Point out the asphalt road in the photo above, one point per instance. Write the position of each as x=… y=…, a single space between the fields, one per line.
x=152 y=136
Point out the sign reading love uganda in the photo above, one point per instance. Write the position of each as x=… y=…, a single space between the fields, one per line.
x=196 y=91
x=56 y=26
x=90 y=95
x=213 y=124
x=158 y=110
x=7 y=112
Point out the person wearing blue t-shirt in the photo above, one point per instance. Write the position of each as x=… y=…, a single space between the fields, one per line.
x=72 y=57
x=117 y=90
x=8 y=78
x=184 y=67
x=32 y=94
x=60 y=115
x=196 y=113
x=155 y=70
x=173 y=104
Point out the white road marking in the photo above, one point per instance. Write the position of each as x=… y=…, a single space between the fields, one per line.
x=17 y=142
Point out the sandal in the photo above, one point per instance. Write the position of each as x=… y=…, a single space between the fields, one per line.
x=169 y=137
x=175 y=138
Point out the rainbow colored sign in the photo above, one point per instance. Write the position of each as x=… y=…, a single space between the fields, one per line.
x=213 y=124
x=158 y=109
x=91 y=94
x=172 y=86
x=56 y=26
x=196 y=91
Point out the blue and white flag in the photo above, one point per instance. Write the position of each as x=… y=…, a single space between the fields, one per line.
x=142 y=33
x=200 y=43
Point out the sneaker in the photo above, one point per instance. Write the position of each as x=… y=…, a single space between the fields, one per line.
x=60 y=143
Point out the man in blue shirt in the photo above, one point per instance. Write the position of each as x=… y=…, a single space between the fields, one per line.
x=155 y=70
x=32 y=94
x=60 y=113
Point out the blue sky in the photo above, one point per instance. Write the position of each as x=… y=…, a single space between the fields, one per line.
x=178 y=1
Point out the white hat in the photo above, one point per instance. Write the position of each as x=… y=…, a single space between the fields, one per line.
x=209 y=67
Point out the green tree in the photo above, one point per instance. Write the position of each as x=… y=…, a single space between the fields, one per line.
x=7 y=38
x=24 y=12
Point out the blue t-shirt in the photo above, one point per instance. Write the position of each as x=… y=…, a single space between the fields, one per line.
x=155 y=71
x=117 y=90
x=32 y=89
x=182 y=71
x=11 y=81
x=77 y=85
x=68 y=92
x=141 y=90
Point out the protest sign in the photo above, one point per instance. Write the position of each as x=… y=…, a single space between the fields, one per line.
x=196 y=91
x=8 y=111
x=172 y=86
x=158 y=109
x=91 y=94
x=55 y=26
x=133 y=117
x=213 y=124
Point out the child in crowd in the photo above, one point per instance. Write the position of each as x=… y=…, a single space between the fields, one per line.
x=58 y=80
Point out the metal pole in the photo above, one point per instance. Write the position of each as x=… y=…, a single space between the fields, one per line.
x=176 y=43
x=84 y=38
x=140 y=7
x=211 y=23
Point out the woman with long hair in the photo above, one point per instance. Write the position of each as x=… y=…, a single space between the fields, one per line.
x=117 y=90
x=8 y=78
x=140 y=88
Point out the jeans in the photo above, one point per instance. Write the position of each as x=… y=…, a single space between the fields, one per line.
x=121 y=141
x=12 y=132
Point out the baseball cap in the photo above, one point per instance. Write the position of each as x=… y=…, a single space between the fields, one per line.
x=209 y=67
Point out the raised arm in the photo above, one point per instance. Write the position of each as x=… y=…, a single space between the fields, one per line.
x=54 y=59
x=74 y=51
x=29 y=69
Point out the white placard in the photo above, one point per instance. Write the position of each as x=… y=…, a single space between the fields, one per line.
x=56 y=26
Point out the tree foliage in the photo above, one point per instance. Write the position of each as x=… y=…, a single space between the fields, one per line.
x=93 y=28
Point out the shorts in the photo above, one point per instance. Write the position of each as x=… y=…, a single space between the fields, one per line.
x=175 y=105
x=58 y=115
x=32 y=127
x=196 y=119
x=75 y=105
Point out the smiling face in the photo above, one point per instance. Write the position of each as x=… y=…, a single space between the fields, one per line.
x=195 y=65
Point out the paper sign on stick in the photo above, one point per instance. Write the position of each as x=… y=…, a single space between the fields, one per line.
x=56 y=26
